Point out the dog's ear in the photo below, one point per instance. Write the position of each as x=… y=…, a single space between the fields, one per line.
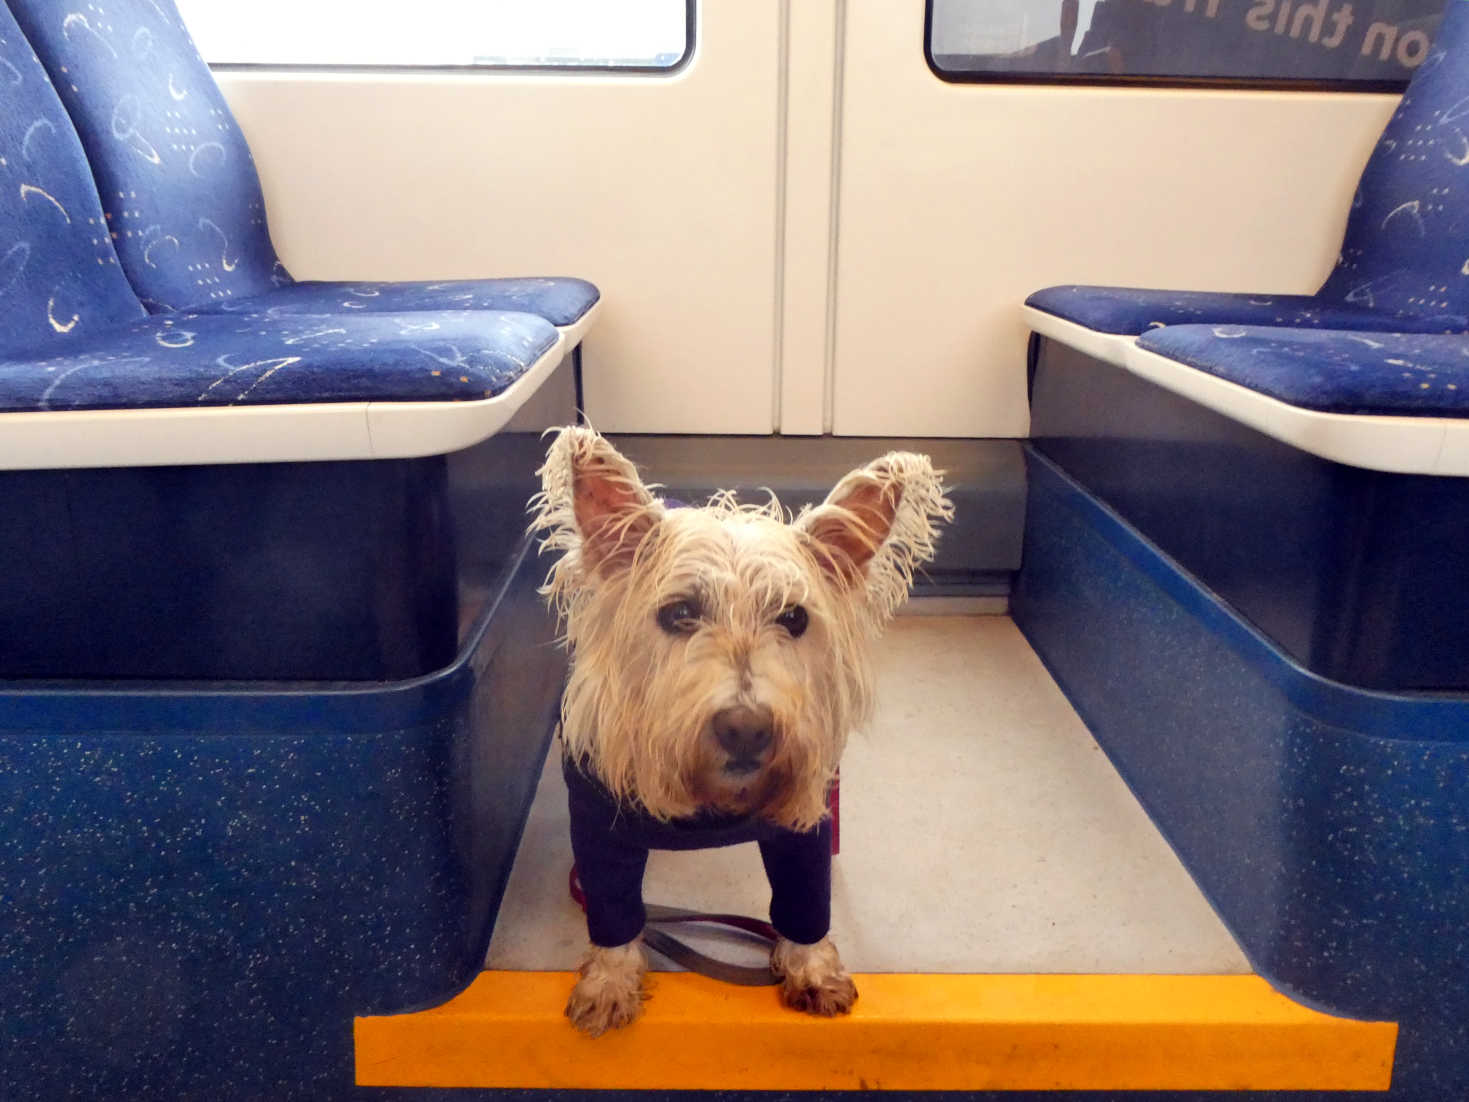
x=879 y=525
x=593 y=502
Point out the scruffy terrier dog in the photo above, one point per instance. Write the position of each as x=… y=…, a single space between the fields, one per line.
x=719 y=661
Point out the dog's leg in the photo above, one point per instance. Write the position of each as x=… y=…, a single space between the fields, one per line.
x=812 y=978
x=609 y=993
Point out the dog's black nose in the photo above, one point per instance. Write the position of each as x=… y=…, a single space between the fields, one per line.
x=743 y=732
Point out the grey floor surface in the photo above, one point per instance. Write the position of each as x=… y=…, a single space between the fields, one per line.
x=983 y=830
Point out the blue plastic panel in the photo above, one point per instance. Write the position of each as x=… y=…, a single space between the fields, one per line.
x=299 y=571
x=206 y=885
x=202 y=883
x=349 y=571
x=1357 y=574
x=1329 y=826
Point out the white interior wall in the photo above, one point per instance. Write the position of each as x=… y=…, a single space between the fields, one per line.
x=958 y=200
x=743 y=292
x=661 y=189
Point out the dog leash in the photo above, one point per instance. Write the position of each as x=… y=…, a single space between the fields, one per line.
x=665 y=944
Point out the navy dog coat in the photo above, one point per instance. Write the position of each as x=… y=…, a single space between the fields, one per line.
x=611 y=845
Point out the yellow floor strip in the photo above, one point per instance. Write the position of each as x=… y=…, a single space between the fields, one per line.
x=908 y=1032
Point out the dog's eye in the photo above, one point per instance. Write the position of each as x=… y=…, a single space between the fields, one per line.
x=679 y=617
x=794 y=620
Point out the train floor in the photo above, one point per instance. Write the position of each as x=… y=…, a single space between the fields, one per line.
x=982 y=831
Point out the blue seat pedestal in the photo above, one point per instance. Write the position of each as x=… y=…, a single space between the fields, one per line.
x=203 y=881
x=1357 y=574
x=327 y=571
x=282 y=571
x=1328 y=825
x=202 y=887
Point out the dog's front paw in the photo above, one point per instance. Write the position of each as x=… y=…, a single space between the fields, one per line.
x=812 y=979
x=609 y=993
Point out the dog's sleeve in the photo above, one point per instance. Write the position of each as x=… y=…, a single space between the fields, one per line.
x=610 y=868
x=798 y=867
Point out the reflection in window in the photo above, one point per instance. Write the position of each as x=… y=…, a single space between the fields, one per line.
x=588 y=34
x=1373 y=41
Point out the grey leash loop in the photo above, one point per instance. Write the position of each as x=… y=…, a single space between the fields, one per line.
x=665 y=944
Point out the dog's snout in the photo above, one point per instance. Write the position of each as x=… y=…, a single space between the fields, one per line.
x=743 y=732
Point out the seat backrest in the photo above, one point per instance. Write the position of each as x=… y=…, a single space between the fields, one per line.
x=1406 y=245
x=175 y=175
x=59 y=275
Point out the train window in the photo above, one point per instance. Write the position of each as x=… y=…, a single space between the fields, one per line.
x=623 y=35
x=1362 y=44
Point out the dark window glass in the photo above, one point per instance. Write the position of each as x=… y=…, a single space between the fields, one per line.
x=1371 y=43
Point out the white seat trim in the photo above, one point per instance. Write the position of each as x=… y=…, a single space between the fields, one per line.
x=571 y=335
x=1109 y=347
x=1375 y=442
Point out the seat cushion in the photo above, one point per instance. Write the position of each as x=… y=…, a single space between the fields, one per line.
x=179 y=183
x=560 y=300
x=59 y=276
x=180 y=187
x=1403 y=247
x=176 y=178
x=193 y=360
x=1404 y=374
x=1401 y=263
x=1134 y=310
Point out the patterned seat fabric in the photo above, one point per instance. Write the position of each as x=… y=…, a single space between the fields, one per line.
x=561 y=301
x=176 y=179
x=191 y=360
x=1402 y=265
x=1403 y=374
x=59 y=276
x=180 y=187
x=1130 y=310
x=76 y=336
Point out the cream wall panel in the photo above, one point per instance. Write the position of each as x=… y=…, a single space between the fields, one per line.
x=660 y=189
x=956 y=201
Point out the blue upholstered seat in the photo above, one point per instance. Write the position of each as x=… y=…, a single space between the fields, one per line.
x=1133 y=310
x=180 y=188
x=1404 y=374
x=191 y=360
x=1402 y=257
x=59 y=276
x=76 y=336
x=561 y=301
